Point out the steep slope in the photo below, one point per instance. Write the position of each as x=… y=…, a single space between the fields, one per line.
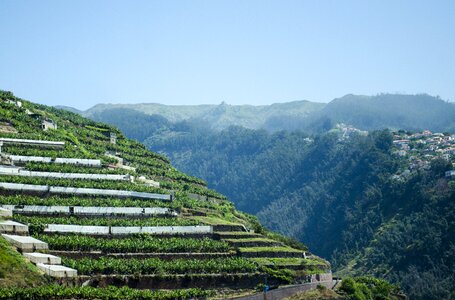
x=122 y=216
x=375 y=209
x=15 y=270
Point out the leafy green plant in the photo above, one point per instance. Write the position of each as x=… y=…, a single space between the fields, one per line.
x=107 y=265
x=53 y=292
x=38 y=223
x=135 y=244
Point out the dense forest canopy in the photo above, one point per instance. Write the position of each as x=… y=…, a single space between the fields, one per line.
x=338 y=196
x=345 y=193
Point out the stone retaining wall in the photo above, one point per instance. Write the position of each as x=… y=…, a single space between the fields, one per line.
x=166 y=256
x=203 y=281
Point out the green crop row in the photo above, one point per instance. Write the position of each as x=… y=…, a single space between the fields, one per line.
x=82 y=183
x=136 y=244
x=180 y=201
x=38 y=223
x=68 y=151
x=54 y=292
x=81 y=201
x=67 y=168
x=108 y=265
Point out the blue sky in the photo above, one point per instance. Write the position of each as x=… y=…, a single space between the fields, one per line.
x=80 y=53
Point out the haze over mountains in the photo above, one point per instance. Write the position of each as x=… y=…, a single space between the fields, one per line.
x=347 y=195
x=410 y=112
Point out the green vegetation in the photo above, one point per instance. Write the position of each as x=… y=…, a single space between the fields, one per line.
x=153 y=117
x=67 y=152
x=338 y=196
x=82 y=183
x=270 y=261
x=53 y=292
x=136 y=244
x=251 y=240
x=88 y=139
x=367 y=288
x=15 y=270
x=320 y=293
x=92 y=201
x=415 y=112
x=38 y=223
x=181 y=202
x=63 y=168
x=106 y=265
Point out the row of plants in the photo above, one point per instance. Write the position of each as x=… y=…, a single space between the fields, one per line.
x=66 y=168
x=134 y=148
x=82 y=201
x=191 y=188
x=82 y=183
x=181 y=201
x=54 y=292
x=67 y=152
x=146 y=165
x=108 y=265
x=139 y=156
x=38 y=223
x=143 y=161
x=136 y=244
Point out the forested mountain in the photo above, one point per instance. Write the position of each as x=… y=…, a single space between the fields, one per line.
x=217 y=117
x=340 y=195
x=410 y=112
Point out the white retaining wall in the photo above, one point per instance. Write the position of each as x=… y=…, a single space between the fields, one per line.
x=172 y=230
x=126 y=230
x=81 y=191
x=93 y=230
x=32 y=142
x=132 y=211
x=57 y=271
x=5 y=212
x=21 y=172
x=24 y=187
x=26 y=243
x=38 y=209
x=71 y=161
x=41 y=258
x=88 y=210
x=106 y=192
x=13 y=227
x=79 y=161
x=26 y=159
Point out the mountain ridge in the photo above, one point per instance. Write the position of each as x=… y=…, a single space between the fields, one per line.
x=400 y=111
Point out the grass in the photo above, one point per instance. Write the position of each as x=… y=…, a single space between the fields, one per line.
x=237 y=233
x=320 y=293
x=212 y=220
x=279 y=261
x=268 y=249
x=250 y=240
x=15 y=270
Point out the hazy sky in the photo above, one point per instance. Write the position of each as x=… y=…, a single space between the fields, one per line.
x=80 y=53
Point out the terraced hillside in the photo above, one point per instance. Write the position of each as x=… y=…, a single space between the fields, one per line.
x=103 y=217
